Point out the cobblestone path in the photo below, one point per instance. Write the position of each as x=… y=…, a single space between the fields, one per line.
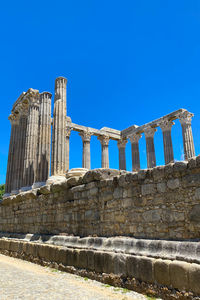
x=23 y=280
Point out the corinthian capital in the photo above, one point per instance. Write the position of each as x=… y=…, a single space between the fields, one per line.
x=134 y=138
x=166 y=125
x=149 y=132
x=122 y=143
x=68 y=132
x=86 y=136
x=185 y=118
x=104 y=139
x=13 y=118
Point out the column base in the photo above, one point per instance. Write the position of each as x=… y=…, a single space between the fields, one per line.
x=37 y=185
x=56 y=179
x=14 y=192
x=6 y=195
x=25 y=189
x=76 y=172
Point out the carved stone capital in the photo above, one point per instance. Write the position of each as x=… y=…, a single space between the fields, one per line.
x=14 y=119
x=166 y=125
x=134 y=138
x=149 y=132
x=68 y=132
x=104 y=139
x=185 y=118
x=122 y=143
x=86 y=136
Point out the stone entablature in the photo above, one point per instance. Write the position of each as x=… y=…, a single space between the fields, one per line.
x=31 y=143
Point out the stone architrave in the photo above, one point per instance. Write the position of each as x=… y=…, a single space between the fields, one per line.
x=104 y=151
x=188 y=143
x=166 y=126
x=68 y=132
x=30 y=163
x=122 y=153
x=44 y=133
x=134 y=138
x=14 y=119
x=59 y=147
x=150 y=149
x=86 y=160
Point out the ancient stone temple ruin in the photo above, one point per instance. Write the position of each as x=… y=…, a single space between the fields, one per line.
x=32 y=144
x=139 y=230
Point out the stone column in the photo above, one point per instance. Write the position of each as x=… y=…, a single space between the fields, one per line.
x=68 y=132
x=104 y=151
x=44 y=141
x=167 y=140
x=22 y=142
x=86 y=161
x=188 y=143
x=10 y=165
x=16 y=154
x=151 y=157
x=134 y=138
x=31 y=141
x=122 y=153
x=59 y=147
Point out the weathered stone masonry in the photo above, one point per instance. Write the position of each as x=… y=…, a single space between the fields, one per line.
x=163 y=202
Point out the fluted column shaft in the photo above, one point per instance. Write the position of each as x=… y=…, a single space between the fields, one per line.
x=86 y=160
x=134 y=138
x=188 y=143
x=167 y=141
x=10 y=165
x=104 y=151
x=59 y=147
x=44 y=132
x=68 y=132
x=122 y=154
x=16 y=162
x=31 y=141
x=22 y=142
x=150 y=149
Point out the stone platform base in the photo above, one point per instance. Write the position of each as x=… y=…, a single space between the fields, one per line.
x=106 y=260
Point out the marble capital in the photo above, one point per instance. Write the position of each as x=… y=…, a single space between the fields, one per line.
x=68 y=132
x=122 y=143
x=134 y=138
x=86 y=136
x=166 y=125
x=104 y=140
x=149 y=132
x=185 y=118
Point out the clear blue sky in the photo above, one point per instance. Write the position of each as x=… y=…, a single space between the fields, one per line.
x=127 y=62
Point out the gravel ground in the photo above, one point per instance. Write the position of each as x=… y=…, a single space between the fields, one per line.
x=24 y=280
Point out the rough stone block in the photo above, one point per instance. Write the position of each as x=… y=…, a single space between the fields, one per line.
x=161 y=271
x=146 y=269
x=195 y=214
x=161 y=187
x=147 y=189
x=98 y=261
x=179 y=275
x=108 y=266
x=83 y=264
x=173 y=183
x=90 y=260
x=119 y=261
x=194 y=278
x=132 y=266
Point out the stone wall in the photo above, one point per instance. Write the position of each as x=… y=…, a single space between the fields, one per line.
x=163 y=202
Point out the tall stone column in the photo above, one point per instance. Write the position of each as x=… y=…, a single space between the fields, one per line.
x=151 y=157
x=68 y=132
x=122 y=153
x=59 y=147
x=104 y=151
x=31 y=141
x=44 y=144
x=16 y=153
x=22 y=142
x=10 y=165
x=86 y=160
x=134 y=138
x=167 y=140
x=188 y=143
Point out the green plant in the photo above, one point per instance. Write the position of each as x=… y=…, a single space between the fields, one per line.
x=2 y=190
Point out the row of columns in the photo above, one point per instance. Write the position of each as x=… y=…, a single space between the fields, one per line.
x=188 y=143
x=29 y=150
